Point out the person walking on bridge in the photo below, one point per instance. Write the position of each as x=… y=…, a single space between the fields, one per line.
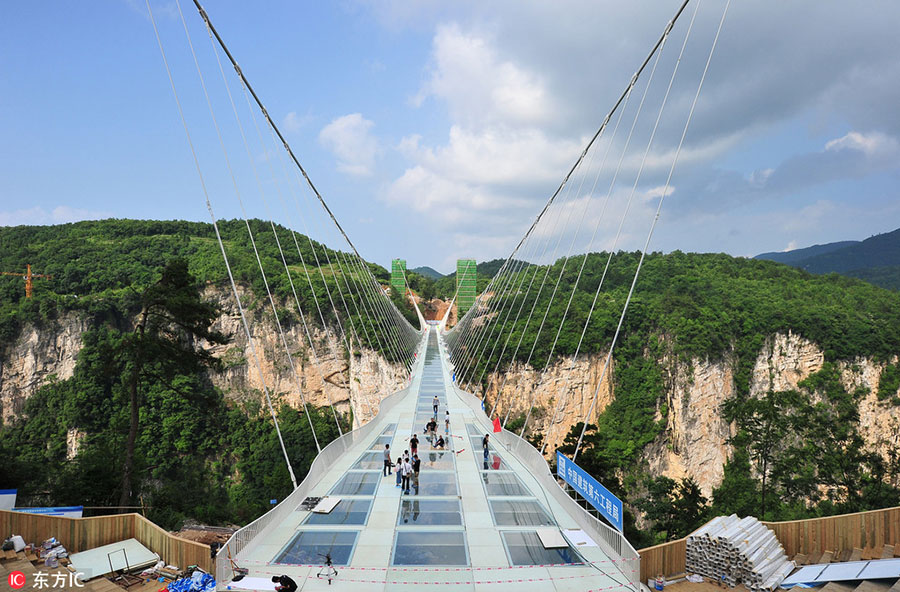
x=435 y=404
x=485 y=444
x=387 y=460
x=416 y=465
x=413 y=445
x=407 y=470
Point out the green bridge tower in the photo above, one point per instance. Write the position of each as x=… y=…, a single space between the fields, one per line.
x=465 y=285
x=398 y=276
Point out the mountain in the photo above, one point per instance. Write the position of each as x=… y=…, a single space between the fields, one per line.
x=875 y=260
x=714 y=351
x=428 y=272
x=790 y=257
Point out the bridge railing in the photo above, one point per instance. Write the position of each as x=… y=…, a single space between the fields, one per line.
x=613 y=543
x=321 y=465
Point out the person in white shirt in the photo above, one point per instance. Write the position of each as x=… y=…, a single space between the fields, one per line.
x=406 y=471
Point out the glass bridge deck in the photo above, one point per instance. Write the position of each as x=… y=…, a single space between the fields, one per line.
x=472 y=524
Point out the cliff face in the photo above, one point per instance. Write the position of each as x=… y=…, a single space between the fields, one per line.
x=350 y=382
x=694 y=442
x=560 y=398
x=327 y=374
x=38 y=354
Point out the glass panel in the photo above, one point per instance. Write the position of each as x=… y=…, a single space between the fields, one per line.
x=357 y=483
x=430 y=548
x=474 y=430
x=421 y=421
x=346 y=512
x=503 y=484
x=429 y=512
x=493 y=463
x=439 y=461
x=432 y=483
x=307 y=547
x=525 y=548
x=380 y=441
x=370 y=460
x=519 y=513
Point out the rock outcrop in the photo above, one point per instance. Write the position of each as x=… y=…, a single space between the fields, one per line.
x=694 y=442
x=352 y=381
x=39 y=354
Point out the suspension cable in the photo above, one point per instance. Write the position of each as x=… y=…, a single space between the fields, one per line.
x=222 y=248
x=600 y=130
x=281 y=252
x=662 y=197
x=633 y=192
x=612 y=250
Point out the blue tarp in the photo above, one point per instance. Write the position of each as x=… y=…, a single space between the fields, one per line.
x=199 y=582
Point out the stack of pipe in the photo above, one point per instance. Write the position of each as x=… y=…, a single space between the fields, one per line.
x=736 y=550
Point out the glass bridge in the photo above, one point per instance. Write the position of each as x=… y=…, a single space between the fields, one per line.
x=473 y=523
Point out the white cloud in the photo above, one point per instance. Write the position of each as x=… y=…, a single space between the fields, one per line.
x=350 y=139
x=294 y=123
x=522 y=83
x=40 y=216
x=872 y=144
x=659 y=191
x=479 y=86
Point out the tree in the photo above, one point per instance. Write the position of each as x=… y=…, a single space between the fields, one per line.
x=675 y=508
x=738 y=492
x=164 y=344
x=764 y=423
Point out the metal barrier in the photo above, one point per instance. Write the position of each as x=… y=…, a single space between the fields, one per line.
x=320 y=466
x=610 y=540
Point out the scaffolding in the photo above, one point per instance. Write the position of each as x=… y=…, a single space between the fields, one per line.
x=466 y=280
x=398 y=276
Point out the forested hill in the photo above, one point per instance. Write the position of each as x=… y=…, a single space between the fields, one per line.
x=98 y=265
x=719 y=315
x=203 y=457
x=196 y=454
x=876 y=259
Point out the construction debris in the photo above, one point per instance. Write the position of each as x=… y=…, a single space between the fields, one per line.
x=734 y=550
x=198 y=582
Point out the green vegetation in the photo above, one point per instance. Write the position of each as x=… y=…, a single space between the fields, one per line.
x=98 y=266
x=889 y=383
x=142 y=390
x=807 y=452
x=722 y=309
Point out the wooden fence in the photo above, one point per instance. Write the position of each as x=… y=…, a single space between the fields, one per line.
x=865 y=530
x=81 y=534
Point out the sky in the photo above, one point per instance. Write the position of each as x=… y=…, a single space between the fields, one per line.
x=437 y=130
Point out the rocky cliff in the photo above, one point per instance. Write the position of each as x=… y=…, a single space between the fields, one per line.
x=351 y=381
x=694 y=442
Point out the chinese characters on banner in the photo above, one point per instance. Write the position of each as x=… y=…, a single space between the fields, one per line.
x=590 y=489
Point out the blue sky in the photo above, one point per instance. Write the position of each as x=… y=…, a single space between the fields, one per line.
x=436 y=130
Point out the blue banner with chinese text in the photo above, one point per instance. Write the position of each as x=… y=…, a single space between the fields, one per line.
x=590 y=489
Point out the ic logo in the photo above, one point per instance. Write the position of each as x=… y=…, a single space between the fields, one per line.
x=16 y=580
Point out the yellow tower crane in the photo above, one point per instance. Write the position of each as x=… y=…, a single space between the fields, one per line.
x=29 y=284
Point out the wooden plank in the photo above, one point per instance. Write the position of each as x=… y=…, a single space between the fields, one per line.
x=81 y=534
